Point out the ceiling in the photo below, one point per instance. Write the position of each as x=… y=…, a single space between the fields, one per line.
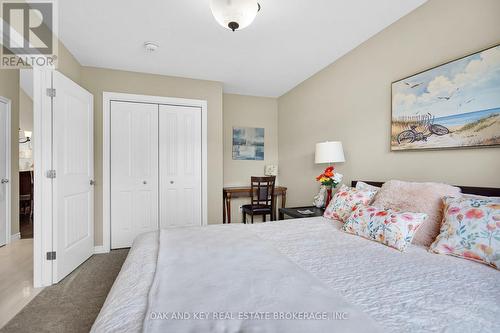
x=289 y=41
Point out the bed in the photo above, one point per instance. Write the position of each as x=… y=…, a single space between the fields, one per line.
x=414 y=291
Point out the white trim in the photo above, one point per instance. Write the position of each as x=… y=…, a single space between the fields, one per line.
x=99 y=249
x=107 y=97
x=8 y=171
x=15 y=237
x=42 y=158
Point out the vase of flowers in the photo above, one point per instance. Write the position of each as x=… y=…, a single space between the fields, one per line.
x=330 y=180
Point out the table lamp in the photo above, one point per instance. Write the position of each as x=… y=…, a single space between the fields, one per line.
x=329 y=152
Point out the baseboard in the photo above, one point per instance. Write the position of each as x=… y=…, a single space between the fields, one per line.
x=15 y=237
x=100 y=249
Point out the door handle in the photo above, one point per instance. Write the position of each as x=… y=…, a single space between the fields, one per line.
x=4 y=181
x=92 y=182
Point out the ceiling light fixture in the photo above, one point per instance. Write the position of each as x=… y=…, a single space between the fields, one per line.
x=150 y=46
x=234 y=14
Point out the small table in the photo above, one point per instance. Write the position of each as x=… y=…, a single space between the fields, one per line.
x=246 y=191
x=293 y=212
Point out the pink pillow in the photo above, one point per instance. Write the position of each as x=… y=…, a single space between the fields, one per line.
x=419 y=198
x=345 y=199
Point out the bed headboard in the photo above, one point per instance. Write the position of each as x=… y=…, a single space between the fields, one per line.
x=486 y=191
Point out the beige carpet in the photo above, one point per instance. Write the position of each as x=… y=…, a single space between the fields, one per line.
x=73 y=304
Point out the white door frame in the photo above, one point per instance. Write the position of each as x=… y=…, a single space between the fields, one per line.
x=42 y=193
x=8 y=173
x=107 y=98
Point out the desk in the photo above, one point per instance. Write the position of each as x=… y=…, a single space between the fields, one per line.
x=246 y=191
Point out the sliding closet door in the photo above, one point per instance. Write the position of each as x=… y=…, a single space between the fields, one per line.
x=180 y=166
x=134 y=171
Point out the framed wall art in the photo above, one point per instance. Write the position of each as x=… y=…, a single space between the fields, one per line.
x=454 y=105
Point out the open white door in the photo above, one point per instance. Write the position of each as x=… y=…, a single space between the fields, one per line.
x=73 y=173
x=4 y=171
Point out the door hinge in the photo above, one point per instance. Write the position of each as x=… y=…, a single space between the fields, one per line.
x=51 y=92
x=51 y=174
x=51 y=255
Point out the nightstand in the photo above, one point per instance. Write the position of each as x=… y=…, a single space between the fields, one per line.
x=293 y=212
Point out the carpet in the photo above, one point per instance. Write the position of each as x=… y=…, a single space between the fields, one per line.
x=73 y=304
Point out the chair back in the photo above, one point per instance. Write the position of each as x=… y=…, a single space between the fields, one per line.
x=263 y=190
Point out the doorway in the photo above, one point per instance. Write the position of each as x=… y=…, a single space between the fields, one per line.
x=5 y=174
x=26 y=165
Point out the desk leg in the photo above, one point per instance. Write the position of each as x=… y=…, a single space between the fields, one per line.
x=273 y=213
x=224 y=209
x=228 y=207
x=283 y=204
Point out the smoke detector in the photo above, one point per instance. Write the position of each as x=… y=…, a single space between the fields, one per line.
x=151 y=47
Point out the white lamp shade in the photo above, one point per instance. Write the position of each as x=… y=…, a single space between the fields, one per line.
x=329 y=152
x=242 y=12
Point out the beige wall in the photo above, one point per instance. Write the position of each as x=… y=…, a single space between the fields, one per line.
x=68 y=65
x=350 y=101
x=9 y=88
x=25 y=111
x=98 y=80
x=248 y=111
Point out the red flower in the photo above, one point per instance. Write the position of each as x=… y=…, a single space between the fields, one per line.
x=329 y=169
x=448 y=248
x=382 y=213
x=474 y=213
x=471 y=255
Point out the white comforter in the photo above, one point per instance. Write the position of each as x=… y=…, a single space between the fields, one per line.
x=199 y=286
x=415 y=291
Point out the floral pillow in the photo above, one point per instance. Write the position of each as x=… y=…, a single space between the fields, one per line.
x=470 y=229
x=345 y=199
x=386 y=226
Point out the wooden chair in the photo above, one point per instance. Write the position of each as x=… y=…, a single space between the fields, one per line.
x=262 y=198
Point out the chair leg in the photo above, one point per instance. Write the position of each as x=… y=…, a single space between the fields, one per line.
x=252 y=218
x=244 y=218
x=264 y=218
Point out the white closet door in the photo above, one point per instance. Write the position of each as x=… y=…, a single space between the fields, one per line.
x=3 y=173
x=73 y=161
x=134 y=171
x=180 y=166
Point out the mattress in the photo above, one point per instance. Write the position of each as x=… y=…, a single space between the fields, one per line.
x=414 y=291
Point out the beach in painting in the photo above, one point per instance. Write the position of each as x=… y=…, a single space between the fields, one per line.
x=450 y=106
x=479 y=128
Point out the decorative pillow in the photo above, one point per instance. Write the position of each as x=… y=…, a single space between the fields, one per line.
x=386 y=226
x=471 y=229
x=417 y=197
x=345 y=199
x=365 y=186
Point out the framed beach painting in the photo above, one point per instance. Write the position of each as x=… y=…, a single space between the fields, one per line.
x=455 y=105
x=248 y=143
